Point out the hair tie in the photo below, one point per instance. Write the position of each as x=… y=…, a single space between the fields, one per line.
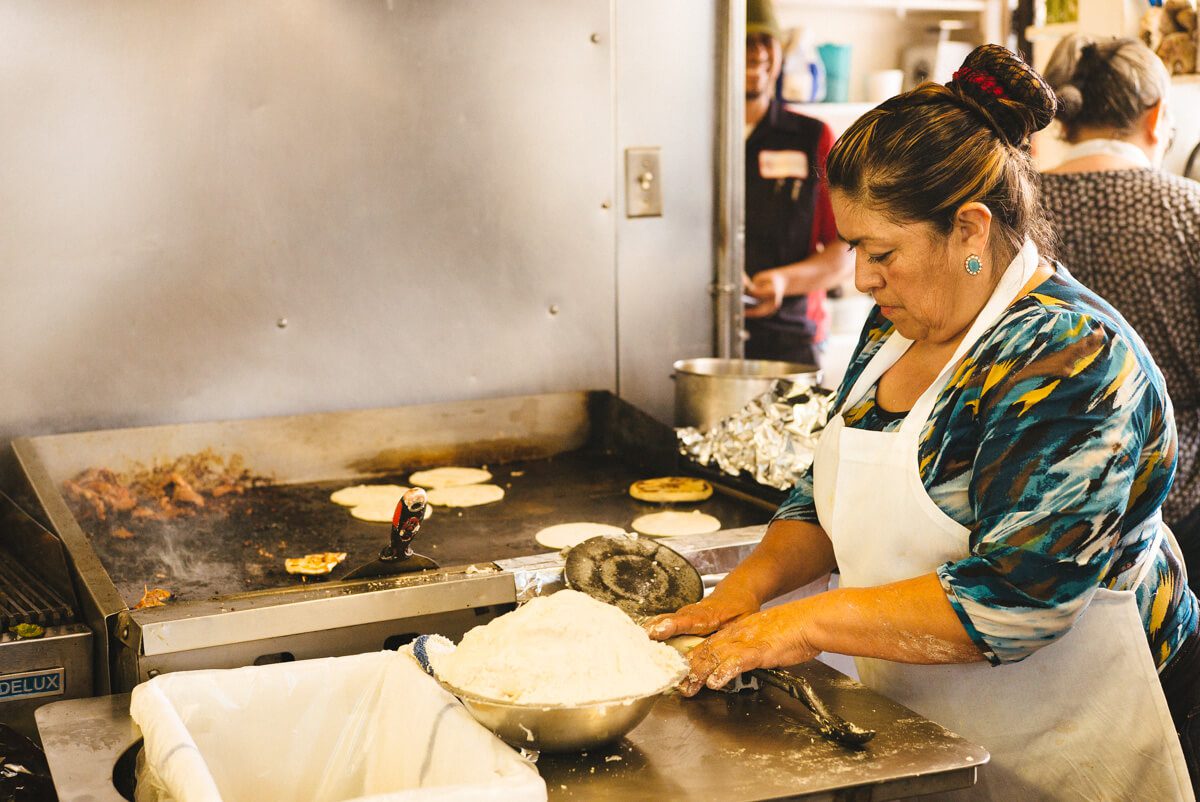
x=980 y=79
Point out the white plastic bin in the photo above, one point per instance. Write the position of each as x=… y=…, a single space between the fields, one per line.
x=366 y=727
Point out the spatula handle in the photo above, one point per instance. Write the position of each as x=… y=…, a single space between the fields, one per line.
x=406 y=522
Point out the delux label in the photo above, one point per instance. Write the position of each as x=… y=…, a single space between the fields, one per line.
x=31 y=684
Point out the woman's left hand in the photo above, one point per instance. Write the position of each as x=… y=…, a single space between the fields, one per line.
x=766 y=639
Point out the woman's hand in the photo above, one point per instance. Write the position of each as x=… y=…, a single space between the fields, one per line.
x=705 y=616
x=766 y=639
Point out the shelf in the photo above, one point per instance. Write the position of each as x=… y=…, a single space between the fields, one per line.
x=838 y=116
x=899 y=6
x=815 y=109
x=1055 y=30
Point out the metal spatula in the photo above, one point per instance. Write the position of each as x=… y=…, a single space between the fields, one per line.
x=397 y=557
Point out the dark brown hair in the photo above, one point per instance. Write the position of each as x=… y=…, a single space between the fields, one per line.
x=1108 y=84
x=921 y=155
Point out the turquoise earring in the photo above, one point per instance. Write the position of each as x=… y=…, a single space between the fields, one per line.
x=974 y=265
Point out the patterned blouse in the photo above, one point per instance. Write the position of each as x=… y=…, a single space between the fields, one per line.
x=1133 y=236
x=1053 y=443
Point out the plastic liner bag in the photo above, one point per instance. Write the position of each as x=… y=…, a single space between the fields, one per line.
x=24 y=775
x=365 y=727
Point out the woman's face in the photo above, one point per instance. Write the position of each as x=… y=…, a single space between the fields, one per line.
x=913 y=272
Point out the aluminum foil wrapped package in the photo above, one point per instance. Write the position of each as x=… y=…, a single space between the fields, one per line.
x=772 y=438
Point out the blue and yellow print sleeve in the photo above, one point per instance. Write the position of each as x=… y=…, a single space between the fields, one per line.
x=1053 y=444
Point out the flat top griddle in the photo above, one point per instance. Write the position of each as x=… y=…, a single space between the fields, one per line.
x=237 y=544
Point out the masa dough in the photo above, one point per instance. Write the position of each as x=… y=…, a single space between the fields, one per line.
x=450 y=477
x=671 y=489
x=671 y=523
x=358 y=495
x=465 y=495
x=562 y=649
x=562 y=536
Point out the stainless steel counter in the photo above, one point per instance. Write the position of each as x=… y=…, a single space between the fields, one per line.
x=749 y=746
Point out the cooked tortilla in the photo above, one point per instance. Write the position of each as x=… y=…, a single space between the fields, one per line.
x=450 y=477
x=562 y=536
x=670 y=489
x=358 y=495
x=672 y=523
x=314 y=564
x=465 y=495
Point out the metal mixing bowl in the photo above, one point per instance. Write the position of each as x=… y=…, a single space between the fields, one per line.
x=560 y=728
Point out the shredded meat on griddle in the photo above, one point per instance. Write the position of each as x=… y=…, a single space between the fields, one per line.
x=100 y=490
x=162 y=491
x=153 y=597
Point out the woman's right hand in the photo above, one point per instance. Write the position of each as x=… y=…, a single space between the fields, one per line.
x=704 y=617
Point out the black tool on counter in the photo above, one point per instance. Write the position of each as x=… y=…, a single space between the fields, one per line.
x=398 y=557
x=645 y=578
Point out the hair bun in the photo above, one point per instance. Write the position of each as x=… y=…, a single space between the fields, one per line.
x=1009 y=94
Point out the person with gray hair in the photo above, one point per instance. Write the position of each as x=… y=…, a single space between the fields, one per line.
x=1130 y=231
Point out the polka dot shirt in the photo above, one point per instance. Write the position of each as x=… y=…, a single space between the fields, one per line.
x=1133 y=237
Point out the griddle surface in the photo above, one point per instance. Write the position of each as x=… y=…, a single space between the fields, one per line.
x=238 y=543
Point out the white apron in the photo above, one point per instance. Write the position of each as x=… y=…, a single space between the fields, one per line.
x=1083 y=718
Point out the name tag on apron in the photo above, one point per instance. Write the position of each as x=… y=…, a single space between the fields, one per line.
x=783 y=164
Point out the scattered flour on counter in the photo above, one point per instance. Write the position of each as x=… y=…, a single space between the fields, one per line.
x=562 y=649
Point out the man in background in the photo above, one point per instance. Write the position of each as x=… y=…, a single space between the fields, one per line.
x=792 y=250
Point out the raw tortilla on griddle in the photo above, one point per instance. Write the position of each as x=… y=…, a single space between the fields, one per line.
x=450 y=477
x=383 y=513
x=373 y=502
x=358 y=495
x=562 y=536
x=672 y=523
x=465 y=495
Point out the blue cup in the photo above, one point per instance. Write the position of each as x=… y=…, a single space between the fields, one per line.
x=836 y=59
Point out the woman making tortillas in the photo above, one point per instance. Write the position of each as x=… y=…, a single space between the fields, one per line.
x=989 y=488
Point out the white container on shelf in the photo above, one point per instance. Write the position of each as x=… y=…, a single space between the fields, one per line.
x=883 y=84
x=937 y=58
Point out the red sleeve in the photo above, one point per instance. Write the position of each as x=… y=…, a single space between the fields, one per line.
x=824 y=226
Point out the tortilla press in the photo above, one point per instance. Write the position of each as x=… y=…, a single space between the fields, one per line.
x=645 y=578
x=397 y=557
x=638 y=575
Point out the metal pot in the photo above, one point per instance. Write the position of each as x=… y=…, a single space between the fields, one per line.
x=709 y=389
